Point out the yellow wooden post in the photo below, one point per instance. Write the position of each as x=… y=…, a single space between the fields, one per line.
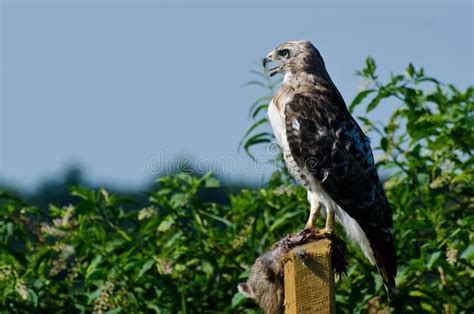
x=309 y=279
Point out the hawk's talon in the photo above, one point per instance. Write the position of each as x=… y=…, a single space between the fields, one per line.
x=325 y=232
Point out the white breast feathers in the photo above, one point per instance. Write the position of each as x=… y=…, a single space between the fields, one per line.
x=276 y=121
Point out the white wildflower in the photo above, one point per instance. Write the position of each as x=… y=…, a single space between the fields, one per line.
x=52 y=231
x=102 y=303
x=444 y=177
x=393 y=182
x=66 y=219
x=146 y=213
x=21 y=289
x=105 y=194
x=58 y=266
x=241 y=238
x=167 y=268
x=57 y=222
x=6 y=272
x=285 y=189
x=452 y=256
x=74 y=271
x=64 y=248
x=365 y=84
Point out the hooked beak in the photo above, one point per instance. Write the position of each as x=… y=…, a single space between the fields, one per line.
x=271 y=58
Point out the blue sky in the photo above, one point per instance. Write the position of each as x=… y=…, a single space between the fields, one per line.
x=120 y=88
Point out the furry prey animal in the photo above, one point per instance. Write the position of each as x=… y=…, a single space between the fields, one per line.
x=266 y=281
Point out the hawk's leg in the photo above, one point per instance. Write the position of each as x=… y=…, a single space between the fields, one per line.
x=315 y=210
x=329 y=228
x=330 y=220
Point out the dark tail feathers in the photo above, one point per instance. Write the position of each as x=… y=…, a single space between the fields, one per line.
x=381 y=242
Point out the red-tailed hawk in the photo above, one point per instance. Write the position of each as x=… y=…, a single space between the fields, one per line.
x=327 y=152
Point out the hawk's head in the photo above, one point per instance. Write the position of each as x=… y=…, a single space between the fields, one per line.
x=295 y=57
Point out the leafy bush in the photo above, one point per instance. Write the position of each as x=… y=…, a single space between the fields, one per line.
x=178 y=254
x=427 y=148
x=184 y=254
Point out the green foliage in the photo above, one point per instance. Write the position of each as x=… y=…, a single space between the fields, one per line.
x=256 y=134
x=427 y=148
x=182 y=254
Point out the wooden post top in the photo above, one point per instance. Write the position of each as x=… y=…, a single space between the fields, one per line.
x=309 y=279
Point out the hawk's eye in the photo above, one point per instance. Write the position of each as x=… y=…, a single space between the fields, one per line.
x=285 y=53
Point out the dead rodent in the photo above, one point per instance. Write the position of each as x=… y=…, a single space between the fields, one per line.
x=265 y=283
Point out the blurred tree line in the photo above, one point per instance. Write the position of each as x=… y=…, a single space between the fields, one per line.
x=57 y=190
x=182 y=252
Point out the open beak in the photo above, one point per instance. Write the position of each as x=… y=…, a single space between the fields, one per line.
x=271 y=58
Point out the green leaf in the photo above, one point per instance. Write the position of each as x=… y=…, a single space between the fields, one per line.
x=358 y=99
x=259 y=109
x=212 y=183
x=374 y=103
x=254 y=126
x=433 y=258
x=259 y=138
x=93 y=265
x=83 y=193
x=146 y=266
x=283 y=219
x=411 y=70
x=259 y=101
x=166 y=224
x=237 y=299
x=220 y=219
x=468 y=254
x=369 y=69
x=179 y=200
x=257 y=83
